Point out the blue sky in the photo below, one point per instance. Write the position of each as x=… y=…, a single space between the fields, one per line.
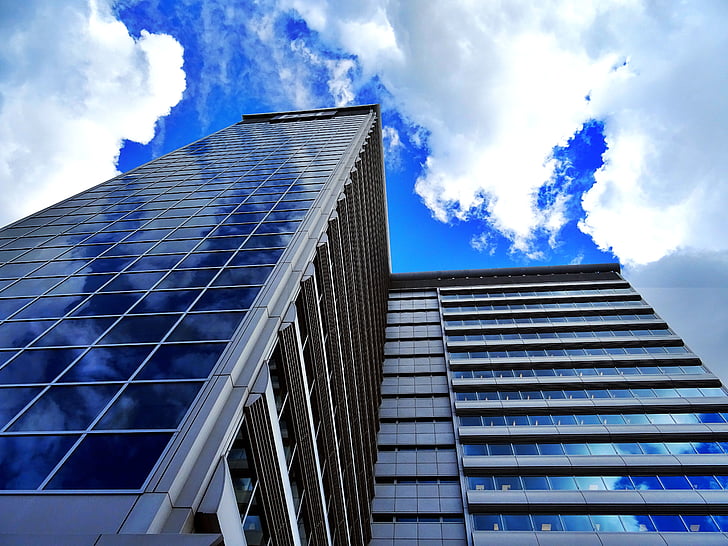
x=516 y=133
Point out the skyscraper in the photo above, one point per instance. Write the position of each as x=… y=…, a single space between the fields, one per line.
x=211 y=347
x=198 y=341
x=544 y=405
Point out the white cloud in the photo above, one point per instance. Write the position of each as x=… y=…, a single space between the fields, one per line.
x=74 y=85
x=498 y=85
x=484 y=242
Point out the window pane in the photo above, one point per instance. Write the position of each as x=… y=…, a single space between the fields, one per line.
x=110 y=461
x=188 y=361
x=44 y=452
x=150 y=406
x=107 y=364
x=37 y=366
x=66 y=408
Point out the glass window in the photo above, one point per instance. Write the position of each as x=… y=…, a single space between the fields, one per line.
x=637 y=524
x=207 y=326
x=703 y=482
x=140 y=329
x=166 y=301
x=242 y=276
x=546 y=523
x=576 y=449
x=602 y=449
x=37 y=366
x=205 y=259
x=188 y=278
x=66 y=408
x=481 y=483
x=133 y=281
x=110 y=461
x=107 y=364
x=606 y=524
x=700 y=524
x=487 y=522
x=44 y=452
x=10 y=306
x=162 y=262
x=646 y=482
x=501 y=449
x=188 y=361
x=12 y=400
x=150 y=406
x=517 y=522
x=48 y=307
x=507 y=483
x=576 y=523
x=81 y=284
x=551 y=449
x=525 y=449
x=668 y=523
x=562 y=483
x=107 y=304
x=30 y=287
x=535 y=483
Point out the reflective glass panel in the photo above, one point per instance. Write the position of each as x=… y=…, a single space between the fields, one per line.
x=25 y=461
x=110 y=461
x=150 y=406
x=66 y=408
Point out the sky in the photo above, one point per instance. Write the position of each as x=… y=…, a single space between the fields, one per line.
x=517 y=133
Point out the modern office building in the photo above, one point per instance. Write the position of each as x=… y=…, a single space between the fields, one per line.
x=544 y=405
x=211 y=348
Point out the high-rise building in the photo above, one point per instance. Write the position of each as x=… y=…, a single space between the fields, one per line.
x=211 y=348
x=544 y=405
x=198 y=341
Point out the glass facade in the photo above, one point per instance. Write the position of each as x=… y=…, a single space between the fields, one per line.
x=118 y=302
x=548 y=394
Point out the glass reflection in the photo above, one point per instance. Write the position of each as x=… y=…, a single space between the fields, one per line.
x=133 y=281
x=13 y=399
x=107 y=304
x=107 y=364
x=66 y=408
x=150 y=406
x=78 y=332
x=166 y=301
x=10 y=306
x=242 y=276
x=30 y=287
x=37 y=366
x=87 y=251
x=110 y=461
x=188 y=278
x=207 y=326
x=25 y=461
x=81 y=284
x=140 y=329
x=186 y=361
x=155 y=263
x=205 y=259
x=267 y=241
x=19 y=334
x=59 y=267
x=256 y=257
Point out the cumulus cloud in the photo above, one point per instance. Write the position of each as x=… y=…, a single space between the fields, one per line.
x=74 y=85
x=499 y=85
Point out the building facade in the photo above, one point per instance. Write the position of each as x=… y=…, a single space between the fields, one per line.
x=544 y=405
x=197 y=344
x=211 y=349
